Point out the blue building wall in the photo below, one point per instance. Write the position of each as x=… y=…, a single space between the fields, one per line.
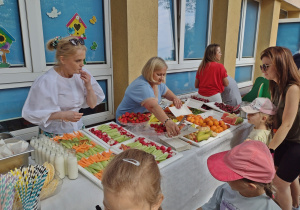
x=12 y=100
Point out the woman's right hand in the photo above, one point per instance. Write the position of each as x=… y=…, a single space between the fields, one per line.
x=72 y=116
x=172 y=128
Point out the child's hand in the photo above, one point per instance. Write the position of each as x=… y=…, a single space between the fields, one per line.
x=248 y=139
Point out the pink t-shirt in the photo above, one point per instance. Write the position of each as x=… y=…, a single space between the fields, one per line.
x=211 y=79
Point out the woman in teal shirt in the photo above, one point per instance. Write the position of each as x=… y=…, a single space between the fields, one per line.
x=144 y=94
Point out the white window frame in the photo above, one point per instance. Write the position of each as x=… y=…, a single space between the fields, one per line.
x=181 y=65
x=35 y=59
x=289 y=20
x=240 y=61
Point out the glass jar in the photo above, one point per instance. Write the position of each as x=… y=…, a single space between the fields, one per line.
x=72 y=165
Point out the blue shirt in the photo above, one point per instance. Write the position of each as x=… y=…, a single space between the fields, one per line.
x=137 y=92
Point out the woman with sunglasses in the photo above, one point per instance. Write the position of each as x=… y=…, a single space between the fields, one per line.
x=55 y=98
x=278 y=67
x=211 y=77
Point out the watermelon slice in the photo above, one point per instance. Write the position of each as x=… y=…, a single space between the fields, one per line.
x=233 y=120
x=225 y=115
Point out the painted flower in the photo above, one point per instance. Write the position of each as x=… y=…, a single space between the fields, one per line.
x=2 y=39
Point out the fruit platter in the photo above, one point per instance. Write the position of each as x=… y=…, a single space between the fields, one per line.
x=211 y=125
x=221 y=107
x=163 y=155
x=159 y=129
x=154 y=120
x=133 y=118
x=232 y=119
x=211 y=120
x=92 y=158
x=109 y=134
x=203 y=136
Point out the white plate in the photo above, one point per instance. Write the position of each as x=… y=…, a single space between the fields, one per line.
x=100 y=141
x=161 y=164
x=184 y=110
x=85 y=172
x=94 y=139
x=91 y=176
x=193 y=103
x=201 y=143
x=213 y=106
x=217 y=115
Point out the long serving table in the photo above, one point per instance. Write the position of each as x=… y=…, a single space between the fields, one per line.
x=186 y=183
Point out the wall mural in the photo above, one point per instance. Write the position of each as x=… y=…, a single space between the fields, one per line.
x=76 y=27
x=54 y=13
x=6 y=41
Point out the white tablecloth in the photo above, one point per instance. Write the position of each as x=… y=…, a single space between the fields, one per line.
x=186 y=183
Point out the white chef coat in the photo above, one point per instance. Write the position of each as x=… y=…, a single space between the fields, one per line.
x=53 y=93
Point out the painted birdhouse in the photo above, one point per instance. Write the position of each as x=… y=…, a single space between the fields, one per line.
x=5 y=42
x=76 y=27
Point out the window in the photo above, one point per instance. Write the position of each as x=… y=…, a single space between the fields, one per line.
x=195 y=29
x=246 y=48
x=25 y=28
x=14 y=53
x=91 y=21
x=183 y=32
x=288 y=34
x=166 y=30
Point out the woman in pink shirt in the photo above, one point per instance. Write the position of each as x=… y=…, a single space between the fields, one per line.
x=211 y=77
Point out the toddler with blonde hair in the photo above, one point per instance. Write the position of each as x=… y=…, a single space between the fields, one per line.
x=131 y=181
x=260 y=113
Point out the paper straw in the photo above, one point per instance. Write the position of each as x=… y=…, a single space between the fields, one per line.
x=37 y=188
x=3 y=181
x=7 y=191
x=26 y=183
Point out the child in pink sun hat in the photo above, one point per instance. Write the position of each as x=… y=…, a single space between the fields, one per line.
x=248 y=170
x=260 y=113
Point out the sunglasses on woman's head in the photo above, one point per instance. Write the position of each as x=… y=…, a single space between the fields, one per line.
x=77 y=41
x=264 y=67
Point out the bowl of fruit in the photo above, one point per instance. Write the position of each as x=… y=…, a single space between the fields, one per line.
x=132 y=119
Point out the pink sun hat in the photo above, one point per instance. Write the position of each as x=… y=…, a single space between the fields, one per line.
x=263 y=105
x=251 y=160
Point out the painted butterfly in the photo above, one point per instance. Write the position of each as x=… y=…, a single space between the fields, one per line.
x=93 y=20
x=94 y=46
